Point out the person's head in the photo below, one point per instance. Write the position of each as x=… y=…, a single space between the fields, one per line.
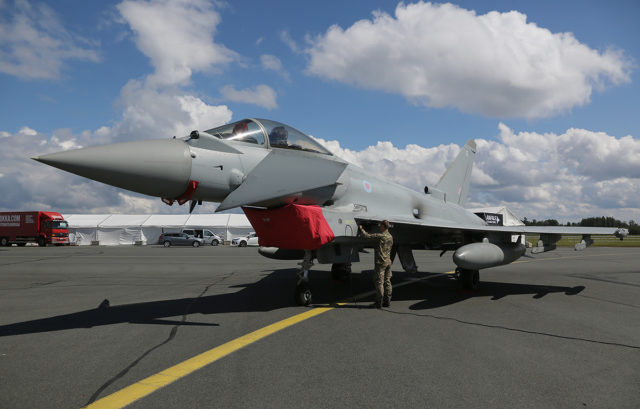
x=384 y=225
x=240 y=127
x=278 y=136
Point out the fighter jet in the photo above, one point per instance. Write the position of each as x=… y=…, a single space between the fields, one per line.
x=306 y=203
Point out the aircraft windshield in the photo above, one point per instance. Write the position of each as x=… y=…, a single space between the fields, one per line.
x=280 y=135
x=284 y=136
x=241 y=131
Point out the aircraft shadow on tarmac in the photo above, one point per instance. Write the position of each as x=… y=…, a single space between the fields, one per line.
x=273 y=291
x=443 y=291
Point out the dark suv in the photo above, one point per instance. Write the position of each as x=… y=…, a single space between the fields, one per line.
x=179 y=239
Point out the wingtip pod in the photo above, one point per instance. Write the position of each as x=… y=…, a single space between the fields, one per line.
x=621 y=233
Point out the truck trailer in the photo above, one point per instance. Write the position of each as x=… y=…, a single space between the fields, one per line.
x=40 y=227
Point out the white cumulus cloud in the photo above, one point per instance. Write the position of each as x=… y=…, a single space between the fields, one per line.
x=34 y=43
x=262 y=95
x=177 y=35
x=28 y=131
x=273 y=63
x=496 y=64
x=151 y=113
x=286 y=38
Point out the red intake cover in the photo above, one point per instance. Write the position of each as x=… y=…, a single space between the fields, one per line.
x=293 y=227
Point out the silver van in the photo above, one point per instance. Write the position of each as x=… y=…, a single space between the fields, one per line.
x=207 y=236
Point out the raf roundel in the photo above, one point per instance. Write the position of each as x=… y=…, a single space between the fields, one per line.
x=367 y=186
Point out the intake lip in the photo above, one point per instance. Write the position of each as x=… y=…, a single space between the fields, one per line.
x=158 y=167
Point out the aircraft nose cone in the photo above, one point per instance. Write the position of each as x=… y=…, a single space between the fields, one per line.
x=154 y=167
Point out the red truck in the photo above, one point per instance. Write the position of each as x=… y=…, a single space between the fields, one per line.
x=40 y=227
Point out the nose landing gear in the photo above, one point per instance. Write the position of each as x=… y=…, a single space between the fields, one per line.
x=303 y=294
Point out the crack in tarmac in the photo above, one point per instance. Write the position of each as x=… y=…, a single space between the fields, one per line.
x=172 y=334
x=478 y=324
x=608 y=301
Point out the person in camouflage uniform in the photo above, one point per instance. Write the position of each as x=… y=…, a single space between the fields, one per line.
x=382 y=257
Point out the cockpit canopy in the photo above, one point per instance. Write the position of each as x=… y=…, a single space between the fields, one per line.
x=267 y=133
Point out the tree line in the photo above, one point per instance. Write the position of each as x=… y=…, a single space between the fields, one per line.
x=634 y=228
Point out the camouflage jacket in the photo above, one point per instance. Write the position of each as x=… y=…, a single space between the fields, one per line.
x=382 y=247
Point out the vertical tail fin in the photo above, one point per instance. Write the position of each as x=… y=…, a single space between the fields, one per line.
x=455 y=181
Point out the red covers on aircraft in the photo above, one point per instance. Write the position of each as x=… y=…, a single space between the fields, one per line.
x=294 y=227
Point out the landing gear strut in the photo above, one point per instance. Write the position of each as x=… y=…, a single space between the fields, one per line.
x=469 y=279
x=303 y=291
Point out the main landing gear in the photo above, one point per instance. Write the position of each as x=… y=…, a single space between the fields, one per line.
x=469 y=279
x=303 y=291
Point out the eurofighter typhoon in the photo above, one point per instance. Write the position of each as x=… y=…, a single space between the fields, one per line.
x=306 y=203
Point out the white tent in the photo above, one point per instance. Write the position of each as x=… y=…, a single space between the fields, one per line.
x=157 y=224
x=508 y=218
x=217 y=223
x=238 y=225
x=83 y=227
x=121 y=229
x=118 y=229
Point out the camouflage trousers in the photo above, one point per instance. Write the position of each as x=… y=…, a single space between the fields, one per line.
x=382 y=282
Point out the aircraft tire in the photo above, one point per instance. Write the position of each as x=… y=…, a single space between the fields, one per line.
x=303 y=294
x=469 y=279
x=167 y=243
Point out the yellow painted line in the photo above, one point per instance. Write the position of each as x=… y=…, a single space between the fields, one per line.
x=140 y=389
x=149 y=385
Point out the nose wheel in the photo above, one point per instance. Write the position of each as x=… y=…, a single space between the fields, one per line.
x=303 y=294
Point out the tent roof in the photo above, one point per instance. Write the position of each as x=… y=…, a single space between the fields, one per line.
x=119 y=220
x=166 y=220
x=85 y=220
x=207 y=220
x=239 y=220
x=161 y=220
x=510 y=219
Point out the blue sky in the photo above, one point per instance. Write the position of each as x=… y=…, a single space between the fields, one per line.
x=433 y=76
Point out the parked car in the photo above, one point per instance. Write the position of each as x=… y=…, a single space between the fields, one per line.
x=250 y=239
x=179 y=239
x=206 y=235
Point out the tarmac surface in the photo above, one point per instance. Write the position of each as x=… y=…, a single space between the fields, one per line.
x=77 y=324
